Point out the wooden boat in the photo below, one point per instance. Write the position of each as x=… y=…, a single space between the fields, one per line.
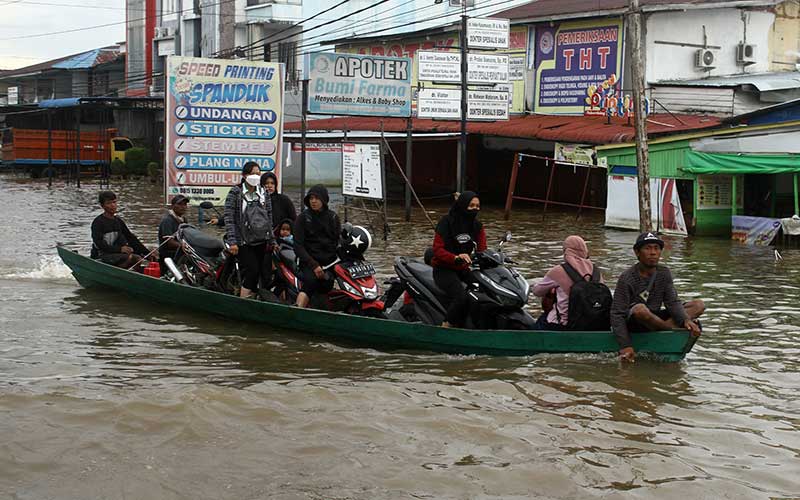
x=664 y=346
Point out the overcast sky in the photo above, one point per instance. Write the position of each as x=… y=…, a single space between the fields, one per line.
x=33 y=17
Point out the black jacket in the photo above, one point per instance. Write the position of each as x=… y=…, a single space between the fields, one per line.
x=316 y=234
x=110 y=235
x=282 y=206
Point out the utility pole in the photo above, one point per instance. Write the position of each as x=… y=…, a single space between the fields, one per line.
x=462 y=158
x=303 y=131
x=409 y=153
x=639 y=117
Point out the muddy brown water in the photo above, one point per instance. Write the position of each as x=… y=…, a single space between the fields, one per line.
x=103 y=397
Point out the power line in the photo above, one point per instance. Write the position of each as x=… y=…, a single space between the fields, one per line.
x=379 y=2
x=39 y=35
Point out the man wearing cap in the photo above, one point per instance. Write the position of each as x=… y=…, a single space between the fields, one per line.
x=168 y=226
x=641 y=293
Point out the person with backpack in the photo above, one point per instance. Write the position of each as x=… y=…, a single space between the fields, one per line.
x=248 y=228
x=582 y=300
x=641 y=292
x=316 y=238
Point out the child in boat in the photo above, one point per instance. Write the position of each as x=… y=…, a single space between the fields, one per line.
x=558 y=282
x=284 y=232
x=641 y=292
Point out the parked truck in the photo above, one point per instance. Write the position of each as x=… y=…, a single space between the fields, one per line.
x=27 y=149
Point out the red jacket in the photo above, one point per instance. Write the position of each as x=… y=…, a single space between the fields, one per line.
x=443 y=258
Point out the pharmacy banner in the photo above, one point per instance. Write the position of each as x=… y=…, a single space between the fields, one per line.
x=220 y=115
x=572 y=57
x=347 y=84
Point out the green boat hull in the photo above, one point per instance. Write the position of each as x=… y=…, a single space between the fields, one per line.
x=666 y=346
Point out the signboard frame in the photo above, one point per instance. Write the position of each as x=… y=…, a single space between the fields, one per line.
x=219 y=114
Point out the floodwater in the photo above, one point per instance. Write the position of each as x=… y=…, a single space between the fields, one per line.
x=103 y=397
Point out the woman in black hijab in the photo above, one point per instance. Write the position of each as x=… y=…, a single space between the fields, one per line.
x=282 y=206
x=458 y=234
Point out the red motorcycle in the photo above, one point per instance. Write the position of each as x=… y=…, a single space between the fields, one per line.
x=356 y=290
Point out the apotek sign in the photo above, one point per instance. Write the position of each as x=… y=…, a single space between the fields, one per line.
x=347 y=84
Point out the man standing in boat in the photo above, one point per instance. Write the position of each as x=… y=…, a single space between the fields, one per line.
x=112 y=241
x=641 y=292
x=168 y=227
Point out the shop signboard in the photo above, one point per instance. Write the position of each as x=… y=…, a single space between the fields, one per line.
x=445 y=67
x=445 y=104
x=714 y=192
x=570 y=58
x=220 y=115
x=487 y=33
x=362 y=170
x=348 y=84
x=623 y=204
x=13 y=95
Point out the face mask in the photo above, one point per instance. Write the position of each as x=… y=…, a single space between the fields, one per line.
x=253 y=180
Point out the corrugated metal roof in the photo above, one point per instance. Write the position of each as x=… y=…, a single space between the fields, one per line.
x=83 y=60
x=764 y=82
x=561 y=9
x=574 y=129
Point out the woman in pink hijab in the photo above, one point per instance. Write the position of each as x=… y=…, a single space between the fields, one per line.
x=576 y=254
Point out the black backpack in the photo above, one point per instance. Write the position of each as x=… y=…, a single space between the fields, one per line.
x=589 y=301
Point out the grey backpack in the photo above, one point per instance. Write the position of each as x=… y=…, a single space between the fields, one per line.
x=256 y=223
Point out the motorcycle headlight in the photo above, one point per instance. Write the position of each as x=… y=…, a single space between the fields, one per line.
x=371 y=293
x=351 y=289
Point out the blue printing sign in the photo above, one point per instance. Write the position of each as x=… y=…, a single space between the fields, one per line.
x=348 y=84
x=225 y=114
x=228 y=130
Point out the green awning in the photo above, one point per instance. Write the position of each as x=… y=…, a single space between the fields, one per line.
x=724 y=163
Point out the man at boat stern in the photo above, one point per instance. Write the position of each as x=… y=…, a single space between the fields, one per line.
x=645 y=299
x=112 y=241
x=168 y=227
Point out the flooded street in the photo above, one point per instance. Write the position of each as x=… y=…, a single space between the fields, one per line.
x=105 y=397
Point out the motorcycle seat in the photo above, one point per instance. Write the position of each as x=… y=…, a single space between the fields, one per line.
x=288 y=257
x=206 y=245
x=424 y=273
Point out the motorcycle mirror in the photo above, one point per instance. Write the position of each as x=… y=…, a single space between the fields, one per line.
x=507 y=236
x=206 y=205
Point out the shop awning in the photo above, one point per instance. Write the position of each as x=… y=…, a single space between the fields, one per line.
x=737 y=164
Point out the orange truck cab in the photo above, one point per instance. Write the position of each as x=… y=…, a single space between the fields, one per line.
x=28 y=148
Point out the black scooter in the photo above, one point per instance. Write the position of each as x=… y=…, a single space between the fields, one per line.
x=204 y=261
x=496 y=298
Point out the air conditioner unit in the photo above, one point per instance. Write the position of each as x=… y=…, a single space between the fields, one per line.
x=746 y=53
x=705 y=59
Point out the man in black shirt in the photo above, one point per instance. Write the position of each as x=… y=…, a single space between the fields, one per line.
x=112 y=241
x=168 y=226
x=641 y=291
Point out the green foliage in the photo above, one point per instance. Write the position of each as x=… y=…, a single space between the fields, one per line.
x=136 y=160
x=117 y=167
x=153 y=169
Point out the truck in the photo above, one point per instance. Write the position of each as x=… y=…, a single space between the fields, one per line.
x=27 y=149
